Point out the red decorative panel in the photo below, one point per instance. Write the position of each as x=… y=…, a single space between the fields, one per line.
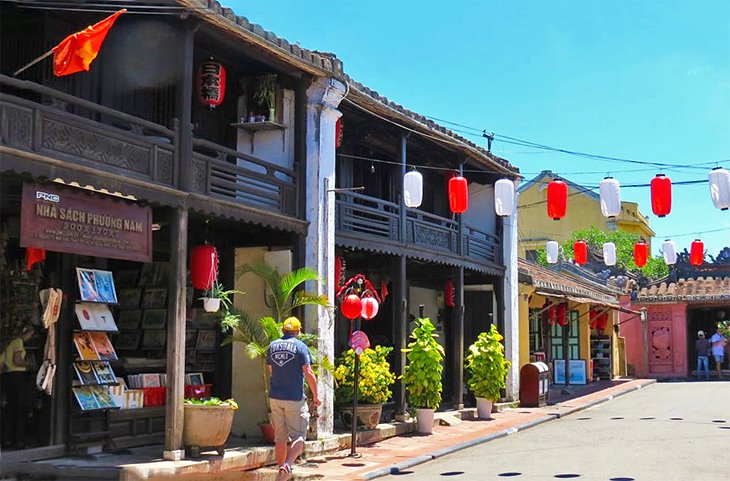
x=661 y=348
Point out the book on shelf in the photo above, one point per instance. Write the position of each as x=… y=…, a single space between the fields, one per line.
x=85 y=373
x=104 y=373
x=103 y=346
x=103 y=397
x=85 y=346
x=150 y=380
x=86 y=399
x=95 y=317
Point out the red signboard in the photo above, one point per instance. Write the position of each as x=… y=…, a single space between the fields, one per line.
x=73 y=221
x=359 y=342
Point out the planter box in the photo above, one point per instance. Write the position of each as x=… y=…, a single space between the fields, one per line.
x=207 y=426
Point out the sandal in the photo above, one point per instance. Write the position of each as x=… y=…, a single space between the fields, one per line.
x=285 y=468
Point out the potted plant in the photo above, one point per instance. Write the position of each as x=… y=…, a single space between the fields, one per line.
x=217 y=295
x=374 y=385
x=284 y=295
x=422 y=376
x=487 y=370
x=265 y=93
x=207 y=423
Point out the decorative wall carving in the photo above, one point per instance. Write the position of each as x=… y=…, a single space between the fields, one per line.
x=165 y=167
x=661 y=343
x=15 y=126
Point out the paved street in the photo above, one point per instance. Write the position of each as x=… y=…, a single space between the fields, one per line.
x=665 y=432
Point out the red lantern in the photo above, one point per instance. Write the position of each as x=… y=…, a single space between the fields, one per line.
x=557 y=199
x=580 y=252
x=351 y=306
x=697 y=253
x=641 y=253
x=561 y=314
x=602 y=321
x=211 y=83
x=369 y=308
x=449 y=293
x=458 y=194
x=338 y=270
x=552 y=314
x=203 y=266
x=661 y=195
x=338 y=133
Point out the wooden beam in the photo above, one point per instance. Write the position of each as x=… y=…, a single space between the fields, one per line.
x=184 y=135
x=174 y=411
x=400 y=324
x=458 y=340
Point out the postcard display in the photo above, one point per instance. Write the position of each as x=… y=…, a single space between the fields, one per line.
x=93 y=373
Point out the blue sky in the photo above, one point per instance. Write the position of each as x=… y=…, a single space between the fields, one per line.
x=644 y=80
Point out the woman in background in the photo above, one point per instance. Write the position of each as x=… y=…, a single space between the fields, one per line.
x=17 y=388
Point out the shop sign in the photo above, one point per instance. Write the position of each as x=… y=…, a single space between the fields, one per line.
x=76 y=222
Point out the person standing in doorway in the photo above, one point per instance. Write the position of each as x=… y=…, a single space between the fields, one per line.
x=703 y=349
x=290 y=364
x=17 y=387
x=718 y=342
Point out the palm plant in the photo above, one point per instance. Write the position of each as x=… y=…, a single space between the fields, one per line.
x=284 y=295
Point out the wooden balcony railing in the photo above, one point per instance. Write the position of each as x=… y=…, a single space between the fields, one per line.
x=377 y=219
x=45 y=121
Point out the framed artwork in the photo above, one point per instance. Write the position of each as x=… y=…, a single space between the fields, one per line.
x=154 y=318
x=128 y=340
x=195 y=378
x=129 y=298
x=154 y=298
x=129 y=319
x=154 y=274
x=206 y=339
x=577 y=371
x=85 y=346
x=154 y=339
x=96 y=286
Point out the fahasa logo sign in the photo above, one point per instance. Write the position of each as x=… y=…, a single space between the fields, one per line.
x=48 y=197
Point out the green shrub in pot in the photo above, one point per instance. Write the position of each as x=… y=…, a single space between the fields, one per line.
x=486 y=366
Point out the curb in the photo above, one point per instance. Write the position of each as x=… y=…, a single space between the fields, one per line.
x=397 y=468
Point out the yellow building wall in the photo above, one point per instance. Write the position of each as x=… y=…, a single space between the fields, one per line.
x=535 y=227
x=525 y=292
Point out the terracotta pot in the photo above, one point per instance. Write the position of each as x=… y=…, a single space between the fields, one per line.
x=206 y=426
x=368 y=415
x=267 y=431
x=484 y=408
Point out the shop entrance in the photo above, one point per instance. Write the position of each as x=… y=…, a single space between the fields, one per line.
x=705 y=319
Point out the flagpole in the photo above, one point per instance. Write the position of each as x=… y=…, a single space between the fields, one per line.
x=33 y=62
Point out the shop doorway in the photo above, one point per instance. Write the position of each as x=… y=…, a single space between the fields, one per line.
x=704 y=319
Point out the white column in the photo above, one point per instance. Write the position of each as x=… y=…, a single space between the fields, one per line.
x=511 y=304
x=323 y=98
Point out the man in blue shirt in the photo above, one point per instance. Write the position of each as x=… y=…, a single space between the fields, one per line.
x=289 y=364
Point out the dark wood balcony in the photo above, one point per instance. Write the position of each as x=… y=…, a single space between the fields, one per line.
x=375 y=224
x=35 y=119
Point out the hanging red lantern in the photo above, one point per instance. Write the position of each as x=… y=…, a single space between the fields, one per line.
x=602 y=321
x=458 y=194
x=697 y=253
x=552 y=314
x=557 y=199
x=338 y=133
x=203 y=266
x=580 y=252
x=661 y=195
x=338 y=270
x=561 y=314
x=641 y=253
x=369 y=308
x=449 y=293
x=351 y=306
x=211 y=83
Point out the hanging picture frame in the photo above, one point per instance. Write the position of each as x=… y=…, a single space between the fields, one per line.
x=96 y=286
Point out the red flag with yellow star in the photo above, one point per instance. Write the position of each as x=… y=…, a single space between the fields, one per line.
x=76 y=52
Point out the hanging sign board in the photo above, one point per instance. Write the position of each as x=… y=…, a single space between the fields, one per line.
x=359 y=342
x=76 y=222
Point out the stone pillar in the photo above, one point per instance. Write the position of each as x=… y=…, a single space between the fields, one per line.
x=323 y=97
x=510 y=291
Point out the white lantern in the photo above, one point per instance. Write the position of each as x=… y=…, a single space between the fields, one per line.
x=552 y=252
x=504 y=197
x=413 y=189
x=610 y=191
x=609 y=253
x=669 y=250
x=720 y=188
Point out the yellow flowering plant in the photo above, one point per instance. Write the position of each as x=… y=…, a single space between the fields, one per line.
x=376 y=378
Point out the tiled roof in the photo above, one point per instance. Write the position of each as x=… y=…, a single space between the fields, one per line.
x=324 y=63
x=689 y=290
x=566 y=283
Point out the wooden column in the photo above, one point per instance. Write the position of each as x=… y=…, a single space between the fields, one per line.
x=176 y=335
x=184 y=101
x=457 y=343
x=400 y=330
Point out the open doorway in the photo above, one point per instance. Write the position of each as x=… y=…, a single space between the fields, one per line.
x=704 y=318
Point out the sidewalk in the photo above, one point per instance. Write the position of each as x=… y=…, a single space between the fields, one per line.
x=398 y=453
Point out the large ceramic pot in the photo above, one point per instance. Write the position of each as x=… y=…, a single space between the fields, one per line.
x=484 y=408
x=424 y=420
x=368 y=415
x=267 y=431
x=206 y=426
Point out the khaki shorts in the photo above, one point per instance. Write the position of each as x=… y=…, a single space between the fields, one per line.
x=290 y=419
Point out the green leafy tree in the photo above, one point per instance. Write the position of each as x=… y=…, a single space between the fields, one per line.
x=422 y=376
x=486 y=365
x=655 y=267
